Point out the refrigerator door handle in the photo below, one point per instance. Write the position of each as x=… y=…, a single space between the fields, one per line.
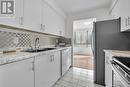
x=92 y=38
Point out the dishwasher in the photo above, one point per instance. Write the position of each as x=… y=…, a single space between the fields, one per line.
x=66 y=60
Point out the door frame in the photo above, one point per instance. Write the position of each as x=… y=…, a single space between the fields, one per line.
x=94 y=20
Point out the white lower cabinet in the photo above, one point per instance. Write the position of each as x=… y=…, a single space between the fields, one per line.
x=108 y=69
x=17 y=74
x=66 y=60
x=41 y=71
x=47 y=69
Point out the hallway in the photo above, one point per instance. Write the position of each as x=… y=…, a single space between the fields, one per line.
x=83 y=61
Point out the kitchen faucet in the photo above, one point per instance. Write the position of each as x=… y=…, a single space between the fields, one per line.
x=36 y=42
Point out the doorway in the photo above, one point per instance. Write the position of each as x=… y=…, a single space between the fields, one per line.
x=82 y=44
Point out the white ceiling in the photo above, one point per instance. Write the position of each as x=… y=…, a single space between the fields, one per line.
x=70 y=6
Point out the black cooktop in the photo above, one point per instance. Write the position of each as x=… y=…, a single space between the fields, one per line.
x=124 y=60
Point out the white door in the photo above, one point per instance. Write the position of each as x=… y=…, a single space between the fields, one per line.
x=42 y=66
x=18 y=74
x=16 y=19
x=32 y=14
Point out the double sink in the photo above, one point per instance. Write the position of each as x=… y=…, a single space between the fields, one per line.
x=38 y=50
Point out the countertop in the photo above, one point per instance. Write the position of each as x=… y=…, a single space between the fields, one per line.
x=7 y=58
x=121 y=53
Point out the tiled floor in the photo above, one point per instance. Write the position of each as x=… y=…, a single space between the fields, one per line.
x=77 y=77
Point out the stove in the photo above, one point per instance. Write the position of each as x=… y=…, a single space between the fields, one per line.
x=121 y=71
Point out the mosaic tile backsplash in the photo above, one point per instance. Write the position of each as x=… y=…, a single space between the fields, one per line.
x=10 y=38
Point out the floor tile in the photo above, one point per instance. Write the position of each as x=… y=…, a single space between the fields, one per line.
x=77 y=77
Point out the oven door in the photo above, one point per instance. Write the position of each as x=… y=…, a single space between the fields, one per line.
x=118 y=78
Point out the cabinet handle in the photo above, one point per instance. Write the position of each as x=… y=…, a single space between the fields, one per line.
x=60 y=32
x=21 y=20
x=125 y=21
x=41 y=26
x=53 y=58
x=128 y=20
x=33 y=66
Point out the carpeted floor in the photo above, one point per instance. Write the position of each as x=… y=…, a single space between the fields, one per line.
x=83 y=61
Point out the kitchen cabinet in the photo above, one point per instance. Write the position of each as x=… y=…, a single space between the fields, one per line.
x=66 y=60
x=17 y=74
x=32 y=14
x=47 y=69
x=52 y=22
x=36 y=15
x=43 y=22
x=125 y=14
x=121 y=9
x=108 y=69
x=41 y=71
x=16 y=19
x=61 y=26
x=55 y=66
x=50 y=19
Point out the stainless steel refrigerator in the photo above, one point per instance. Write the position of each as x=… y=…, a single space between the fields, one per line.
x=107 y=35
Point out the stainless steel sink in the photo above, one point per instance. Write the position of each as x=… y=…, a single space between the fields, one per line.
x=38 y=50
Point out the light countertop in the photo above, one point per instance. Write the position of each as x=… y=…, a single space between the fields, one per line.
x=119 y=53
x=7 y=58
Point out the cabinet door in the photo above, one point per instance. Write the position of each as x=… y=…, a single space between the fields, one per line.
x=43 y=22
x=56 y=66
x=50 y=20
x=108 y=70
x=42 y=74
x=61 y=26
x=47 y=69
x=18 y=74
x=17 y=18
x=54 y=70
x=69 y=58
x=123 y=7
x=32 y=14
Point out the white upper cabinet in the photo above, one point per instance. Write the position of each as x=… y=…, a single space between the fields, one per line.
x=32 y=14
x=36 y=15
x=52 y=22
x=50 y=19
x=16 y=19
x=121 y=9
x=62 y=26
